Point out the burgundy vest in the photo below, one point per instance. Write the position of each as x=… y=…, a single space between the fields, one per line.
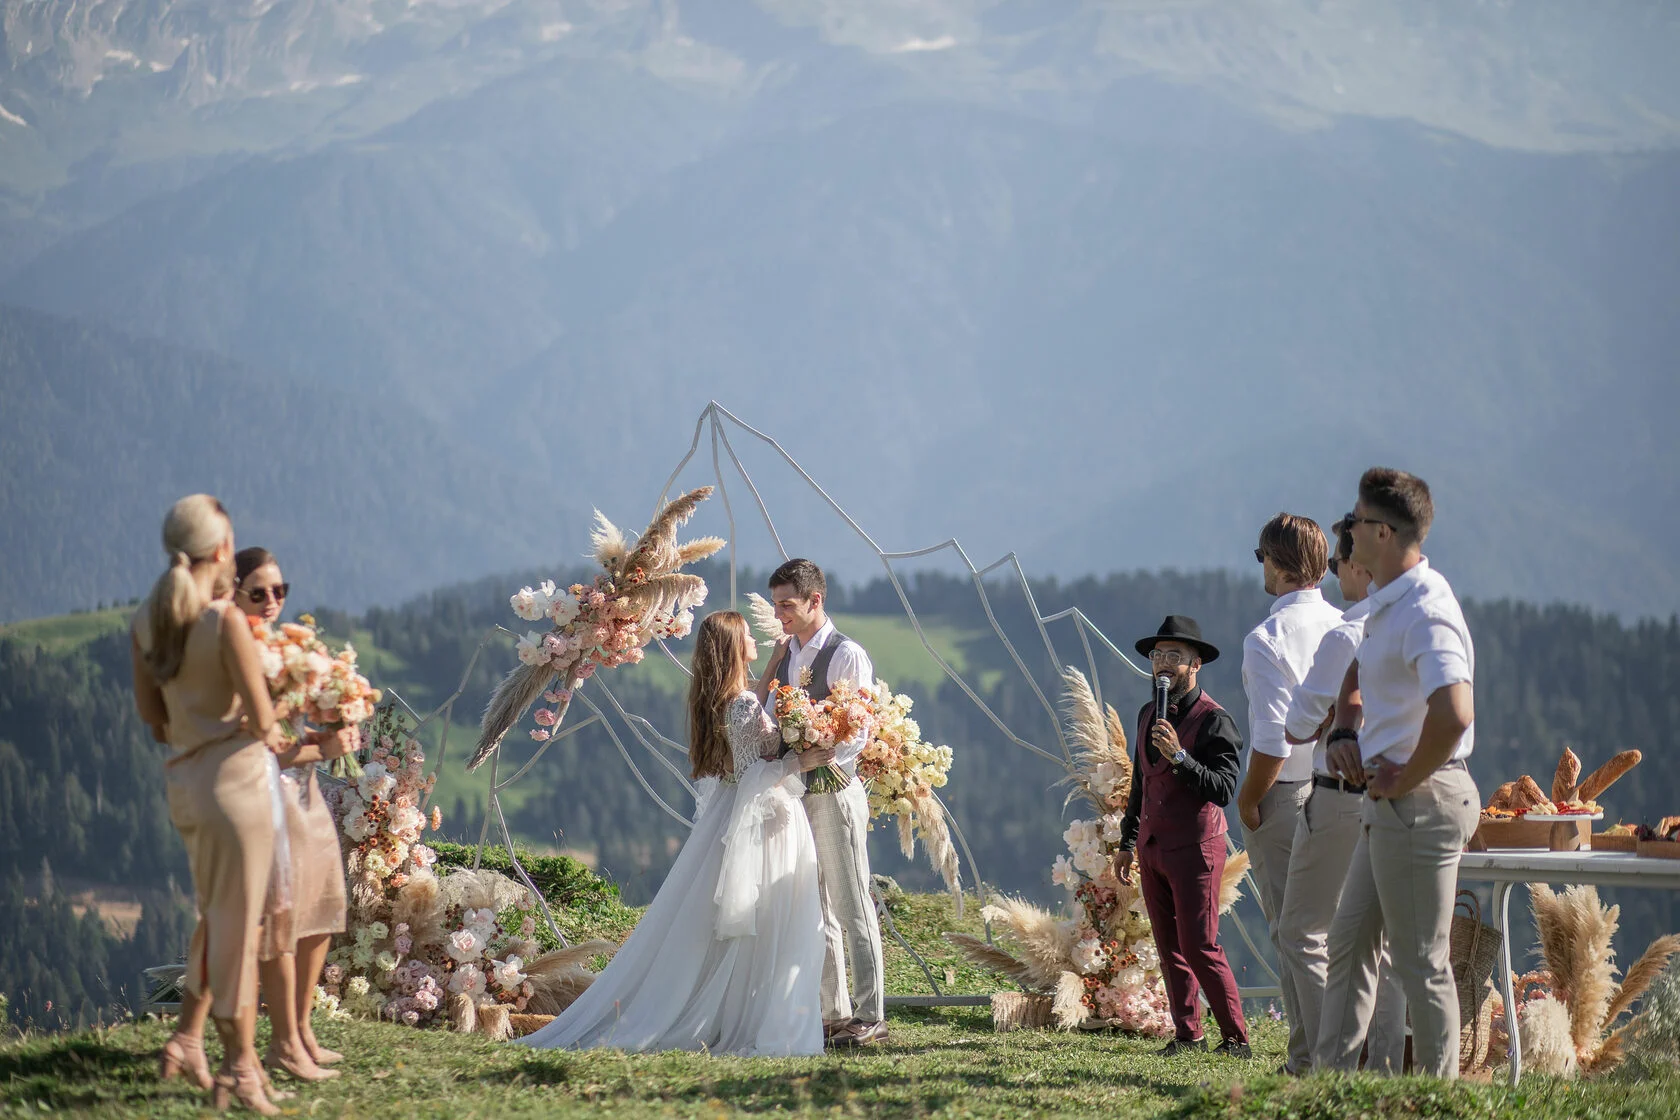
x=1173 y=814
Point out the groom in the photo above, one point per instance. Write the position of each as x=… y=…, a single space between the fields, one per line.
x=839 y=821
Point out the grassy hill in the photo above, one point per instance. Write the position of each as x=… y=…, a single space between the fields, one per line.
x=946 y=1062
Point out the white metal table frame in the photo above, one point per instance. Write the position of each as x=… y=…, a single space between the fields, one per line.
x=1506 y=868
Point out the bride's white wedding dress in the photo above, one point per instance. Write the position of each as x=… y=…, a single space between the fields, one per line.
x=729 y=956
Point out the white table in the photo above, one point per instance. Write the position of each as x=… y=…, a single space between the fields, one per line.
x=1508 y=867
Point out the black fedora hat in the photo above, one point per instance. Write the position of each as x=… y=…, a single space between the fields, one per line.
x=1180 y=628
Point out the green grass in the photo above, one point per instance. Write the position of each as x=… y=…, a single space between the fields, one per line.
x=937 y=1063
x=68 y=632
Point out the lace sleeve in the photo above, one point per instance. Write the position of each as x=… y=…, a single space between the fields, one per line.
x=751 y=732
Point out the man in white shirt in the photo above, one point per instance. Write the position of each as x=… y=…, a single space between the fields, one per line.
x=854 y=1015
x=1415 y=675
x=1325 y=838
x=1293 y=557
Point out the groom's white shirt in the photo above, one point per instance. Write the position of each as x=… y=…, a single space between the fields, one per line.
x=850 y=663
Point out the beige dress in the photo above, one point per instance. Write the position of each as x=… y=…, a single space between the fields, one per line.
x=219 y=800
x=317 y=868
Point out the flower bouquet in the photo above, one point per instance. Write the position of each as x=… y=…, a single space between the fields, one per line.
x=308 y=681
x=806 y=724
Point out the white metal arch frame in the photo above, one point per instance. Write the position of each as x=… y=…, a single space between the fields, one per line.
x=717 y=422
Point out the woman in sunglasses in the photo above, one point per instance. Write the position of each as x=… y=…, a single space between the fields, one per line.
x=295 y=940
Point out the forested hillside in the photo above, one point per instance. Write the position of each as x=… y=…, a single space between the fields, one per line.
x=81 y=783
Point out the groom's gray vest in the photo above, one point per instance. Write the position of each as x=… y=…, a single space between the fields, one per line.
x=819 y=688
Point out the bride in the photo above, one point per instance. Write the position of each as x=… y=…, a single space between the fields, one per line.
x=729 y=956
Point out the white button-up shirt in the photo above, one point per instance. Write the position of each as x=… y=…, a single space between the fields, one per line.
x=1316 y=694
x=1276 y=656
x=1415 y=643
x=850 y=663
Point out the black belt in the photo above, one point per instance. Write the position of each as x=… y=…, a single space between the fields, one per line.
x=1322 y=781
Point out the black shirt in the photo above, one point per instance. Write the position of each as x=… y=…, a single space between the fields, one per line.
x=1210 y=766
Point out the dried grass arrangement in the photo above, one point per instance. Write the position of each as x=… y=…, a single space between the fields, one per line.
x=1577 y=1019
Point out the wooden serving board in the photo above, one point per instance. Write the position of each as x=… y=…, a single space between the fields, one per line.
x=1568 y=835
x=1660 y=849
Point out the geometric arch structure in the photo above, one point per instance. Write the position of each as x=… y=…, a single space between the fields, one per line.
x=718 y=425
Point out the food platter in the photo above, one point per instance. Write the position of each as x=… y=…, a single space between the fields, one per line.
x=1558 y=818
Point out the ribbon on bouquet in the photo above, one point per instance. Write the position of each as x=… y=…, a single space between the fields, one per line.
x=767 y=790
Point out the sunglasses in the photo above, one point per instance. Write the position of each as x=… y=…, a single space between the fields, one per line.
x=1335 y=565
x=1350 y=520
x=1259 y=556
x=259 y=595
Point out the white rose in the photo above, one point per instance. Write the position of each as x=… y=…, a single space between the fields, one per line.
x=562 y=610
x=463 y=945
x=468 y=979
x=508 y=975
x=524 y=604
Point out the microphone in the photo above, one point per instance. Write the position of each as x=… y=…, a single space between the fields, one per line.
x=1162 y=684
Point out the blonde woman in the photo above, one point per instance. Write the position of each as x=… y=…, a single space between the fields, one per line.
x=295 y=939
x=729 y=957
x=198 y=683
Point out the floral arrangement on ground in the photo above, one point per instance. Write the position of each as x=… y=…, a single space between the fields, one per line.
x=466 y=948
x=1099 y=966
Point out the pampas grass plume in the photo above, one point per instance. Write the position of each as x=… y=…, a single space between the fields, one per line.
x=1069 y=1005
x=1046 y=942
x=1546 y=1042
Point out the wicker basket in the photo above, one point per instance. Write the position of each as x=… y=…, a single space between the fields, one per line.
x=1475 y=952
x=1475 y=1039
x=1020 y=1011
x=528 y=1024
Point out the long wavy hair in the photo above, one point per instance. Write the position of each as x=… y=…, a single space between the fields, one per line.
x=195 y=527
x=720 y=674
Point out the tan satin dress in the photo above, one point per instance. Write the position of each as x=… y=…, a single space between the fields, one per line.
x=317 y=868
x=219 y=801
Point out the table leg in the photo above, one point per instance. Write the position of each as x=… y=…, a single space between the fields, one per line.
x=1502 y=916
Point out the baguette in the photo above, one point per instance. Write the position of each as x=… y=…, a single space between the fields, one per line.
x=1602 y=778
x=1568 y=777
x=1667 y=827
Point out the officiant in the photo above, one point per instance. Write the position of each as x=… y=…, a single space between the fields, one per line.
x=1184 y=773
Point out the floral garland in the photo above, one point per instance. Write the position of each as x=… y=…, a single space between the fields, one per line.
x=640 y=596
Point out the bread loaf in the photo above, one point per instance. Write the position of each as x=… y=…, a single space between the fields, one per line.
x=1602 y=778
x=1501 y=798
x=1528 y=795
x=1568 y=777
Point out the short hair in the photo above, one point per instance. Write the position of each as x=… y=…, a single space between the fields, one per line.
x=1400 y=499
x=803 y=576
x=1297 y=546
x=248 y=560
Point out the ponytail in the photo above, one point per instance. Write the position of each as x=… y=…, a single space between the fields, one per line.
x=194 y=528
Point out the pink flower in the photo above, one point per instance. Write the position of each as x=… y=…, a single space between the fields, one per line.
x=412 y=1018
x=539 y=734
x=553 y=696
x=546 y=717
x=634 y=656
x=437 y=818
x=403 y=943
x=586 y=671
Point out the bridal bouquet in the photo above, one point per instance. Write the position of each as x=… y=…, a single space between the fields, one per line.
x=807 y=724
x=307 y=680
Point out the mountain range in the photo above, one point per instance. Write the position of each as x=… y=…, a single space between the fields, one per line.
x=1106 y=286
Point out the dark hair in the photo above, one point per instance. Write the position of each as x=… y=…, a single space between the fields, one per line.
x=804 y=577
x=1400 y=499
x=1297 y=546
x=248 y=560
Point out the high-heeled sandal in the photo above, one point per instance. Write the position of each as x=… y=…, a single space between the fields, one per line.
x=245 y=1084
x=183 y=1056
x=322 y=1056
x=301 y=1067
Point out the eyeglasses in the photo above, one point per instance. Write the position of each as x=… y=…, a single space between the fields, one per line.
x=1170 y=657
x=259 y=595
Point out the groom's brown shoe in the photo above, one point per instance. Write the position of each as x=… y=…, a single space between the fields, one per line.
x=832 y=1029
x=860 y=1033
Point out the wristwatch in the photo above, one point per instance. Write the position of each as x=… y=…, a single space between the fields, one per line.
x=1179 y=757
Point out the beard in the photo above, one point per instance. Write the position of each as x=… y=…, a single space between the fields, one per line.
x=1180 y=688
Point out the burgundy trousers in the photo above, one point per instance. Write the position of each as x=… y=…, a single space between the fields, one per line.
x=1181 y=892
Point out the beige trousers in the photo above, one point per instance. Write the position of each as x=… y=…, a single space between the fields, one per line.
x=840 y=826
x=1269 y=849
x=1401 y=883
x=1325 y=838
